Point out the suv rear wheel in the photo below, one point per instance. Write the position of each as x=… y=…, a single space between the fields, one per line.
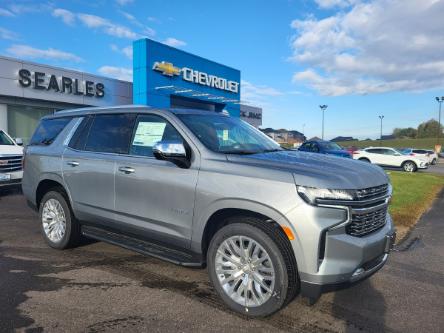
x=59 y=227
x=252 y=267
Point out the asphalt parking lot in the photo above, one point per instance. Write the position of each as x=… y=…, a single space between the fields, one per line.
x=99 y=288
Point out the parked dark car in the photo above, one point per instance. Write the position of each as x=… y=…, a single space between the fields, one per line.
x=324 y=147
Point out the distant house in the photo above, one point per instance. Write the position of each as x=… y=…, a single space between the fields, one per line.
x=388 y=137
x=343 y=138
x=315 y=138
x=284 y=136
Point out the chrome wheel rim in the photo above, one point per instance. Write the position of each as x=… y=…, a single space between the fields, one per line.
x=409 y=167
x=245 y=271
x=53 y=220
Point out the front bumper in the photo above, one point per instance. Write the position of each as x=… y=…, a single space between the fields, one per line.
x=13 y=178
x=314 y=290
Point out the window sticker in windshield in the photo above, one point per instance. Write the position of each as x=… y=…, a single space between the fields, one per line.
x=148 y=133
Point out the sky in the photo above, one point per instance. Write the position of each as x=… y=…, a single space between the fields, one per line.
x=362 y=58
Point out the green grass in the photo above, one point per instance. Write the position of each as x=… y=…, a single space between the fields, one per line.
x=425 y=143
x=413 y=193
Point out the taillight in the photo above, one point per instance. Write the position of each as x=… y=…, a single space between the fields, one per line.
x=355 y=152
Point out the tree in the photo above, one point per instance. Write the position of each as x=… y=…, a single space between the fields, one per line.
x=429 y=129
x=409 y=132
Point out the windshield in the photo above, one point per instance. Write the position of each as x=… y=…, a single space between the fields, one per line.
x=5 y=140
x=229 y=135
x=330 y=146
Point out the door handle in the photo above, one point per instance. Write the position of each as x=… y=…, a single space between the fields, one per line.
x=73 y=163
x=127 y=170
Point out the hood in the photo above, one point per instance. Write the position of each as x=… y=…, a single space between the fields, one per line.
x=318 y=170
x=10 y=150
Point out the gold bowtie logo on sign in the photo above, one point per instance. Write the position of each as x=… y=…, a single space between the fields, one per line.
x=166 y=68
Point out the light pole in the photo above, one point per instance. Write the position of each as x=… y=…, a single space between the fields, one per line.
x=323 y=107
x=381 y=117
x=303 y=129
x=439 y=100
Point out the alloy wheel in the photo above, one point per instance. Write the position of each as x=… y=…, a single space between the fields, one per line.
x=54 y=220
x=245 y=271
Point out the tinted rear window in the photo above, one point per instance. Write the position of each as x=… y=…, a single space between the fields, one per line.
x=110 y=133
x=48 y=130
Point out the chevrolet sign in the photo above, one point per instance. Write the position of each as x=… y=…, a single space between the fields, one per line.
x=194 y=76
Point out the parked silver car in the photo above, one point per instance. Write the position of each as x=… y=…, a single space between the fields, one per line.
x=201 y=188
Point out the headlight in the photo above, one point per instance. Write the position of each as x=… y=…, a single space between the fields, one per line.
x=310 y=194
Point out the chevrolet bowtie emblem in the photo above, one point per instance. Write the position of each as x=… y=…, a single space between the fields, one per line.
x=166 y=68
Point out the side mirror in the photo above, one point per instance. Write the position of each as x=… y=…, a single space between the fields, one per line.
x=173 y=151
x=19 y=141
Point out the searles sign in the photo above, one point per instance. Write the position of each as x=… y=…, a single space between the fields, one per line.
x=192 y=75
x=67 y=85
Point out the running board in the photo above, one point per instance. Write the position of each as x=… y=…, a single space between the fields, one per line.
x=184 y=258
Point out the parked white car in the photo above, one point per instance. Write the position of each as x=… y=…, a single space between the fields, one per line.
x=428 y=155
x=385 y=156
x=11 y=154
x=433 y=157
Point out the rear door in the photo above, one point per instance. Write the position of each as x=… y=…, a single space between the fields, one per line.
x=375 y=155
x=154 y=198
x=89 y=164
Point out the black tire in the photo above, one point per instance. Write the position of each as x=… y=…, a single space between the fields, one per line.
x=72 y=230
x=434 y=161
x=364 y=159
x=273 y=240
x=409 y=166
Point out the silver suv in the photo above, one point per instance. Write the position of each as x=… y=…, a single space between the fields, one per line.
x=201 y=188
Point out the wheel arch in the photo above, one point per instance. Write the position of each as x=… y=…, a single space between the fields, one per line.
x=217 y=214
x=46 y=183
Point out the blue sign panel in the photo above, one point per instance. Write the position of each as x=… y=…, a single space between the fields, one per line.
x=164 y=76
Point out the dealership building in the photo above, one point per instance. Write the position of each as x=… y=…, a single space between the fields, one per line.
x=162 y=77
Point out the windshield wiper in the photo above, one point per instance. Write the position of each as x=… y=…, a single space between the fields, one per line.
x=271 y=150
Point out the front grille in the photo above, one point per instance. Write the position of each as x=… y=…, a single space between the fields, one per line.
x=371 y=192
x=365 y=223
x=10 y=163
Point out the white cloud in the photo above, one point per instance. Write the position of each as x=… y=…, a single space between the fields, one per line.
x=108 y=27
x=326 y=4
x=153 y=19
x=174 y=42
x=149 y=32
x=7 y=34
x=127 y=51
x=124 y=2
x=26 y=51
x=121 y=73
x=257 y=94
x=372 y=47
x=5 y=12
x=67 y=16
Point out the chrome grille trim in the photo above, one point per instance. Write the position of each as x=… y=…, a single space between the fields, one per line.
x=371 y=192
x=367 y=221
x=10 y=163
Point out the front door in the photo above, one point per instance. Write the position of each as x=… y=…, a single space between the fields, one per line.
x=155 y=198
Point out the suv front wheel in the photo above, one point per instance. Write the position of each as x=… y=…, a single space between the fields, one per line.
x=252 y=267
x=59 y=227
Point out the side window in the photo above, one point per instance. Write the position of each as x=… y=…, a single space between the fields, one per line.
x=388 y=152
x=149 y=130
x=78 y=140
x=48 y=130
x=374 y=151
x=110 y=133
x=303 y=147
x=315 y=147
